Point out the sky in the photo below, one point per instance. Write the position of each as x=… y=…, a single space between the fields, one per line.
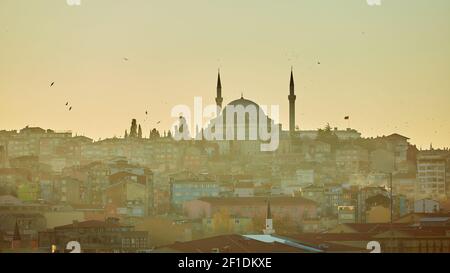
x=387 y=66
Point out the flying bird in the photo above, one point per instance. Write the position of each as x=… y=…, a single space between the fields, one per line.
x=318 y=62
x=146 y=112
x=125 y=59
x=70 y=109
x=67 y=103
x=53 y=83
x=158 y=122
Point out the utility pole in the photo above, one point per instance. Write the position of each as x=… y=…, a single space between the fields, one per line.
x=392 y=198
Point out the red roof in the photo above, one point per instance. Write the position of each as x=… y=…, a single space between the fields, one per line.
x=231 y=244
x=16 y=171
x=445 y=205
x=425 y=215
x=374 y=227
x=335 y=237
x=417 y=232
x=90 y=224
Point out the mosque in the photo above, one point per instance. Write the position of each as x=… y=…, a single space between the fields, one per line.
x=246 y=122
x=243 y=119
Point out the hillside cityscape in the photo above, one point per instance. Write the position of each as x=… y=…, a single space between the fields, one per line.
x=323 y=190
x=204 y=136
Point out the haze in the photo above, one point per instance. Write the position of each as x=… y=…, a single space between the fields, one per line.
x=386 y=67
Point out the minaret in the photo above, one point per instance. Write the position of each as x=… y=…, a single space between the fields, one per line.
x=16 y=237
x=269 y=223
x=219 y=98
x=292 y=97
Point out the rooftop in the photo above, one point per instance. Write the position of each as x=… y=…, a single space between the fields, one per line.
x=91 y=224
x=262 y=201
x=396 y=137
x=232 y=244
x=375 y=227
x=327 y=242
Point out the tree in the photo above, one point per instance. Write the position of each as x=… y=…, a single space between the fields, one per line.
x=327 y=135
x=154 y=134
x=133 y=129
x=140 y=132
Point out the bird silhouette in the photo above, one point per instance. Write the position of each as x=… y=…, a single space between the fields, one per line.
x=53 y=83
x=67 y=103
x=70 y=109
x=158 y=122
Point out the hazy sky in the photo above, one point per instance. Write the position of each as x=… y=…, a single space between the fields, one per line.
x=387 y=67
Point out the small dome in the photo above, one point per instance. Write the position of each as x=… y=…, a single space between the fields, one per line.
x=243 y=102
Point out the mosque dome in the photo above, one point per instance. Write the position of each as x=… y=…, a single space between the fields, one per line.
x=239 y=114
x=243 y=102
